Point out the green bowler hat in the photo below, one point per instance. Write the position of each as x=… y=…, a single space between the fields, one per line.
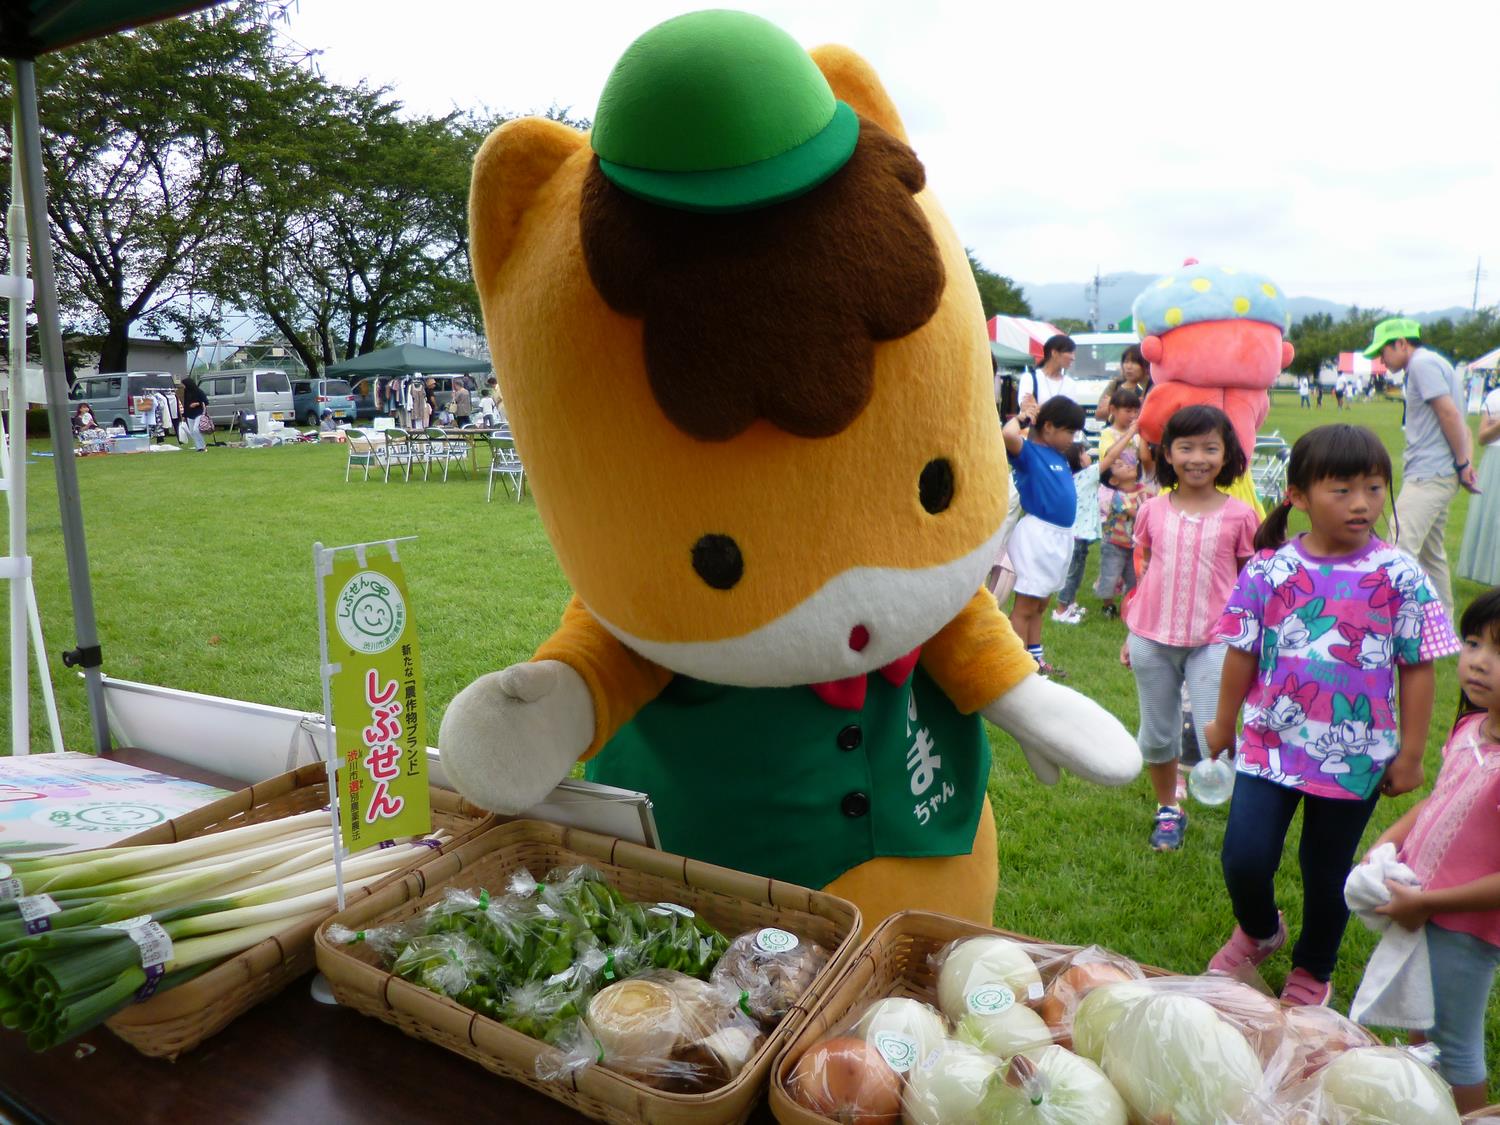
x=720 y=111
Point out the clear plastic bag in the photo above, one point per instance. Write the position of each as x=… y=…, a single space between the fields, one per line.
x=452 y=964
x=1051 y=1087
x=1317 y=1036
x=846 y=1078
x=772 y=967
x=1369 y=1086
x=672 y=1031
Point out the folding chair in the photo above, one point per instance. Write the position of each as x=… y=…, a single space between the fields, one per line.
x=399 y=450
x=448 y=450
x=362 y=453
x=504 y=462
x=419 y=449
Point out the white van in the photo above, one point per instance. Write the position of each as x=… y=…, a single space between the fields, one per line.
x=235 y=395
x=116 y=398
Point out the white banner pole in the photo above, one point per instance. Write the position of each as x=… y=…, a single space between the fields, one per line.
x=322 y=567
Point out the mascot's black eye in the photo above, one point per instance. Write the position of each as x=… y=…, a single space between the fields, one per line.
x=935 y=485
x=718 y=561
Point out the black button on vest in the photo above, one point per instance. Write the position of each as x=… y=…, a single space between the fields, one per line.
x=850 y=737
x=855 y=804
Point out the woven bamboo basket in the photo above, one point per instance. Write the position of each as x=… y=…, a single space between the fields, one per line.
x=894 y=961
x=730 y=900
x=179 y=1019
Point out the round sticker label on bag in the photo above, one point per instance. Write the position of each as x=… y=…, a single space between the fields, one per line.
x=900 y=1051
x=772 y=940
x=990 y=999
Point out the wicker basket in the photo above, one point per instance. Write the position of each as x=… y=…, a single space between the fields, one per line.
x=894 y=961
x=730 y=900
x=179 y=1019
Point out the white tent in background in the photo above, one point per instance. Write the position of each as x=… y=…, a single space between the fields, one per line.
x=1489 y=361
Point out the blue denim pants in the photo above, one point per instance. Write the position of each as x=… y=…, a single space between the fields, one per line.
x=1463 y=969
x=1259 y=815
x=1076 y=566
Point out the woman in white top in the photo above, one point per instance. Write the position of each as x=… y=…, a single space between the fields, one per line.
x=1479 y=557
x=1051 y=378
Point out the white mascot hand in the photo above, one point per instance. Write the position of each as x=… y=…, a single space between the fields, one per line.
x=509 y=737
x=1059 y=728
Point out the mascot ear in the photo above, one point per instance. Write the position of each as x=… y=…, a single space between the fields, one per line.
x=512 y=164
x=854 y=81
x=1151 y=349
x=1287 y=352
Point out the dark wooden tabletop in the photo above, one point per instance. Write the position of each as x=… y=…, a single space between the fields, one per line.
x=291 y=1059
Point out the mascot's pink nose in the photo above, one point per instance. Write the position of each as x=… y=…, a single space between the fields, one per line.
x=859 y=636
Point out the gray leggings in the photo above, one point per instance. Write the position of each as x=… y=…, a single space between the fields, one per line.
x=1463 y=969
x=1159 y=674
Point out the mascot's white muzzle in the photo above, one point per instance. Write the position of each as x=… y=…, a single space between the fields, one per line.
x=859 y=621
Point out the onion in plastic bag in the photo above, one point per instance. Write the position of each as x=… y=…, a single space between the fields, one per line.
x=1173 y=1057
x=848 y=1080
x=1007 y=1029
x=773 y=967
x=1384 y=1086
x=981 y=963
x=1051 y=1087
x=1099 y=1011
x=904 y=1031
x=1319 y=1035
x=947 y=1087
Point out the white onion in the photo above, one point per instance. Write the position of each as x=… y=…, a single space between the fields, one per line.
x=1007 y=1033
x=1099 y=1011
x=904 y=1031
x=947 y=1087
x=980 y=962
x=1057 y=1088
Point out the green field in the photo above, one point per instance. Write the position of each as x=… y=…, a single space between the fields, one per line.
x=203 y=580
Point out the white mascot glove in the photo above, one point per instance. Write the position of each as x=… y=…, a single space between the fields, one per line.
x=509 y=737
x=1059 y=728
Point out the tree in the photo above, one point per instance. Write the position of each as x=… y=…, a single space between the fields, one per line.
x=1071 y=325
x=998 y=294
x=142 y=135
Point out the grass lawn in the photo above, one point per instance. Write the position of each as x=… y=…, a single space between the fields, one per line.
x=203 y=580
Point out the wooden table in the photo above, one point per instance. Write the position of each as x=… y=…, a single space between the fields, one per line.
x=473 y=436
x=289 y=1060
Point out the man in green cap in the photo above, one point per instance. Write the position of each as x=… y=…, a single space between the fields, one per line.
x=1438 y=456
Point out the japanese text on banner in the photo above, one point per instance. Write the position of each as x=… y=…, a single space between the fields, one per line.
x=377 y=703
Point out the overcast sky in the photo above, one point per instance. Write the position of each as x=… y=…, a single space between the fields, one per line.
x=1347 y=149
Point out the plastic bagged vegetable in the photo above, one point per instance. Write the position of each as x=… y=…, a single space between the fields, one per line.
x=1174 y=1058
x=774 y=967
x=947 y=1087
x=983 y=965
x=847 y=1079
x=449 y=964
x=1318 y=1035
x=670 y=936
x=1051 y=1087
x=1073 y=977
x=903 y=1030
x=1382 y=1086
x=672 y=1031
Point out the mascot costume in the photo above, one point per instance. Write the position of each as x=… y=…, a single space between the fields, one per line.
x=748 y=374
x=1216 y=337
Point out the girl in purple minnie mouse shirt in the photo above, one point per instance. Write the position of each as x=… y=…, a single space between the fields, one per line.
x=1326 y=632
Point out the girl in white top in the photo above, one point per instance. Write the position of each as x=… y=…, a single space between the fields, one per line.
x=1479 y=557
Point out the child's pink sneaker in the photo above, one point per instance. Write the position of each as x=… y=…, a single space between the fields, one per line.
x=1242 y=949
x=1302 y=989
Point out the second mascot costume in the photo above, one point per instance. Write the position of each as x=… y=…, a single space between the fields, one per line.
x=747 y=371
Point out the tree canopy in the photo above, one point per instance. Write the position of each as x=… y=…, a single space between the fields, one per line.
x=998 y=294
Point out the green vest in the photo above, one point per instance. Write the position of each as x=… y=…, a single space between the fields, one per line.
x=776 y=782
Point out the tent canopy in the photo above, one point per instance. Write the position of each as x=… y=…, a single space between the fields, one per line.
x=1021 y=334
x=1489 y=361
x=29 y=28
x=408 y=359
x=1007 y=356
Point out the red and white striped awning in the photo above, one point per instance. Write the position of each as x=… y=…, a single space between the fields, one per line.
x=1356 y=363
x=1021 y=334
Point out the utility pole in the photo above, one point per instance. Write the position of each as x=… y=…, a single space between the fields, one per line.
x=1475 y=306
x=1092 y=291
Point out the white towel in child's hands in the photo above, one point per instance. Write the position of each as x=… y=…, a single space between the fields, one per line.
x=1397 y=987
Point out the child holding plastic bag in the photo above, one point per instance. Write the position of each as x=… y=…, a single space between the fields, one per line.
x=1451 y=841
x=1324 y=631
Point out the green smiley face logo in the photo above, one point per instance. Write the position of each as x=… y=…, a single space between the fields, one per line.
x=370 y=613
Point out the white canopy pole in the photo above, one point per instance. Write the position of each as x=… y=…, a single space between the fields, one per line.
x=15 y=476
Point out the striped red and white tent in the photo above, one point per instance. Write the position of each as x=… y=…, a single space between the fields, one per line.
x=1356 y=363
x=1021 y=334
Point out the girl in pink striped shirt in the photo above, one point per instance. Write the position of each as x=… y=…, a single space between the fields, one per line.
x=1190 y=544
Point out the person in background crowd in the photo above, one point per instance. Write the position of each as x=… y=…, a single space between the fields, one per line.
x=1085 y=533
x=1438 y=459
x=326 y=424
x=1479 y=557
x=1051 y=379
x=1337 y=690
x=1318 y=388
x=1304 y=392
x=83 y=418
x=1191 y=542
x=1135 y=375
x=463 y=401
x=1037 y=441
x=194 y=403
x=431 y=388
x=1340 y=389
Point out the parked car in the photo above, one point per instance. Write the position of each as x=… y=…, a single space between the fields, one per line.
x=114 y=397
x=235 y=395
x=310 y=397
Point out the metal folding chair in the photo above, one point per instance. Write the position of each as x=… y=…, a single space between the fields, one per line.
x=448 y=450
x=505 y=462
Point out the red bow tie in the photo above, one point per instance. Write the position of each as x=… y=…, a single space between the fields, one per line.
x=849 y=694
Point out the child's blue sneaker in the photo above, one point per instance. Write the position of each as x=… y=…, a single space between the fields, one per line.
x=1171 y=823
